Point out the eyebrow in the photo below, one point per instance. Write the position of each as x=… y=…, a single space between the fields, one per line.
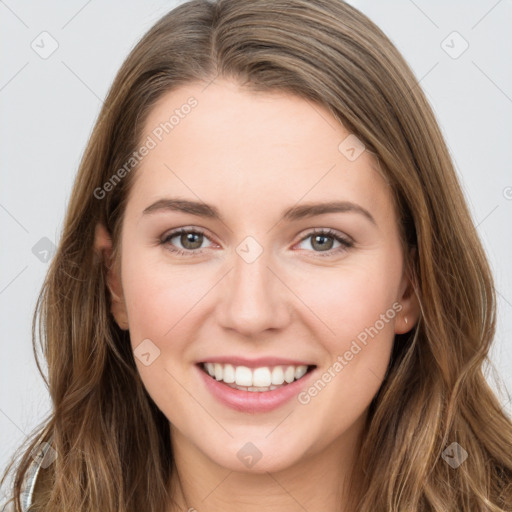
x=302 y=211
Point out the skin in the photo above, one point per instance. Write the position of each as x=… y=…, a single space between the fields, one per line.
x=252 y=156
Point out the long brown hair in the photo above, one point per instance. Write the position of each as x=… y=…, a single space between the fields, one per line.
x=112 y=441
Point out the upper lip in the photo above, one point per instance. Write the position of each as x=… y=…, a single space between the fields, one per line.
x=256 y=362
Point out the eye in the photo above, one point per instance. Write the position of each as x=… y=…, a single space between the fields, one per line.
x=324 y=239
x=190 y=239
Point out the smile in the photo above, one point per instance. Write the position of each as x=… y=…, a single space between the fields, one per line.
x=261 y=379
x=254 y=390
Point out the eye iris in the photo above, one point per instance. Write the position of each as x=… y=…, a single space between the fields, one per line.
x=322 y=247
x=187 y=238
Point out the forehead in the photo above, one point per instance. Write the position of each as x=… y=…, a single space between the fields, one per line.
x=223 y=143
x=228 y=120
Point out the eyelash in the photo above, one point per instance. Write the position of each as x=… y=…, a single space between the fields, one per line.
x=345 y=242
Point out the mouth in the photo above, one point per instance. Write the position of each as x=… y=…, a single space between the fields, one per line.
x=259 y=380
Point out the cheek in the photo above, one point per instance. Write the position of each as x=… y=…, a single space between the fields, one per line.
x=159 y=299
x=359 y=307
x=351 y=299
x=160 y=306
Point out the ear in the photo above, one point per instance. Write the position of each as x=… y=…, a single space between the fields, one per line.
x=103 y=246
x=408 y=299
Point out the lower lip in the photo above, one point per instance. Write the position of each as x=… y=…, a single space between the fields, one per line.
x=253 y=401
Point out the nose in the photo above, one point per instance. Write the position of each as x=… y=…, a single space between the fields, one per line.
x=253 y=297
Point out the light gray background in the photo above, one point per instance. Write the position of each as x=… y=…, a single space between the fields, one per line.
x=48 y=107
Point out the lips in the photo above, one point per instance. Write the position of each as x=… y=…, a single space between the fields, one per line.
x=250 y=400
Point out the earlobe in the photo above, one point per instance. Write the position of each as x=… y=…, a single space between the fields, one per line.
x=103 y=246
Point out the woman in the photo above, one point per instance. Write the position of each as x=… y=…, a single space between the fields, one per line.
x=269 y=293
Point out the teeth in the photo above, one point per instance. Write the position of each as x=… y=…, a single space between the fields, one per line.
x=300 y=371
x=289 y=374
x=277 y=375
x=257 y=379
x=210 y=368
x=261 y=377
x=228 y=374
x=218 y=371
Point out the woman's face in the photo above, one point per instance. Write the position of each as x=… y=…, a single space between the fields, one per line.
x=290 y=256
